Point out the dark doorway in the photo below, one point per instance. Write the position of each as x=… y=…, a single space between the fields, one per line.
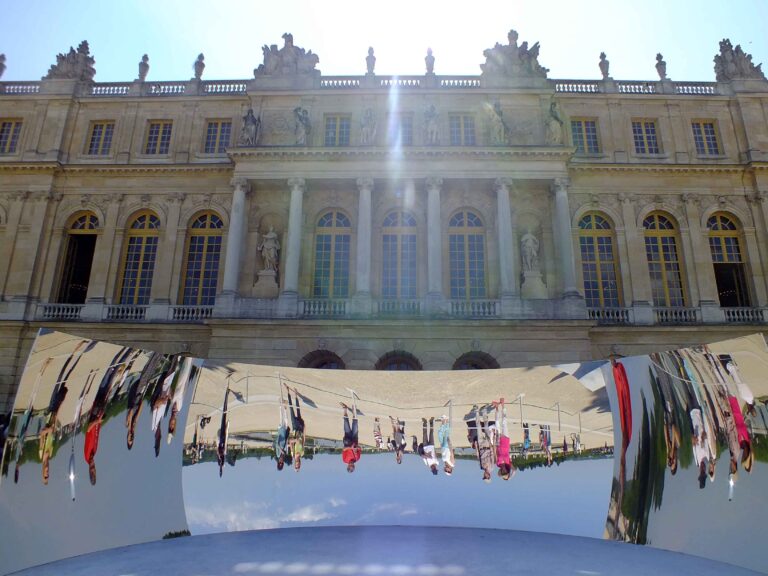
x=76 y=270
x=731 y=285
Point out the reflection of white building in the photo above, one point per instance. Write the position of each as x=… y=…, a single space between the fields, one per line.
x=428 y=222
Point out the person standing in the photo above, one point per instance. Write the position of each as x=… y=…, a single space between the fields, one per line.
x=351 y=452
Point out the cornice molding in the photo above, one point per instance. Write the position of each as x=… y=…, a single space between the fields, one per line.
x=661 y=168
x=547 y=152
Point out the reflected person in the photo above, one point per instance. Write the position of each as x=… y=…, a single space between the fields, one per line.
x=446 y=448
x=427 y=447
x=351 y=452
x=221 y=445
x=281 y=437
x=503 y=460
x=398 y=442
x=296 y=442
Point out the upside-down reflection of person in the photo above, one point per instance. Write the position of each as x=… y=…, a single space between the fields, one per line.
x=296 y=442
x=160 y=400
x=446 y=448
x=503 y=459
x=351 y=452
x=98 y=410
x=137 y=389
x=398 y=441
x=480 y=437
x=281 y=437
x=48 y=432
x=223 y=436
x=625 y=421
x=177 y=398
x=427 y=447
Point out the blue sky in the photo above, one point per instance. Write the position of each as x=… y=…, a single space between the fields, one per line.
x=572 y=35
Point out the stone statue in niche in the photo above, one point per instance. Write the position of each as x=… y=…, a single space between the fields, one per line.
x=270 y=250
x=370 y=61
x=604 y=66
x=661 y=67
x=513 y=60
x=74 y=65
x=251 y=130
x=286 y=61
x=430 y=123
x=302 y=127
x=143 y=68
x=368 y=128
x=554 y=126
x=199 y=66
x=429 y=60
x=735 y=64
x=529 y=249
x=499 y=131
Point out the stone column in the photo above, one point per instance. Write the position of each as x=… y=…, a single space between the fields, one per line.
x=508 y=284
x=563 y=237
x=637 y=264
x=11 y=233
x=757 y=245
x=161 y=285
x=235 y=237
x=293 y=249
x=102 y=258
x=365 y=186
x=434 y=244
x=699 y=264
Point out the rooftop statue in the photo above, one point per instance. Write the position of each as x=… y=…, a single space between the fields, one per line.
x=513 y=60
x=661 y=66
x=2 y=64
x=74 y=65
x=199 y=66
x=429 y=60
x=370 y=61
x=287 y=61
x=143 y=68
x=735 y=64
x=604 y=66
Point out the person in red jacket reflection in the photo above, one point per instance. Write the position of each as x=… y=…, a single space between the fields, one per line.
x=351 y=452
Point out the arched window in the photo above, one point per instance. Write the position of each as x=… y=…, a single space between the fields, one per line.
x=398 y=262
x=475 y=361
x=323 y=359
x=728 y=260
x=332 y=254
x=664 y=265
x=78 y=258
x=139 y=259
x=201 y=261
x=466 y=252
x=599 y=263
x=398 y=360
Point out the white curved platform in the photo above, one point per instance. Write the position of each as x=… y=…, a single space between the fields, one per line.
x=385 y=550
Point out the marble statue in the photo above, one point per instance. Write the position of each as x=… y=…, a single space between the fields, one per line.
x=429 y=59
x=661 y=67
x=368 y=128
x=302 y=126
x=370 y=61
x=529 y=249
x=430 y=123
x=199 y=66
x=251 y=130
x=513 y=60
x=143 y=68
x=735 y=64
x=74 y=65
x=498 y=127
x=554 y=126
x=2 y=64
x=270 y=249
x=288 y=60
x=604 y=65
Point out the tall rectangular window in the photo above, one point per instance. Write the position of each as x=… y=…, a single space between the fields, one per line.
x=462 y=130
x=705 y=138
x=584 y=135
x=100 y=139
x=158 y=139
x=9 y=136
x=401 y=130
x=337 y=130
x=217 y=136
x=644 y=133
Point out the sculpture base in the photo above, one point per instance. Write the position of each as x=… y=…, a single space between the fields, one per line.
x=533 y=287
x=266 y=285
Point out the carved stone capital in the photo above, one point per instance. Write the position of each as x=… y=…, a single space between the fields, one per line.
x=20 y=196
x=145 y=198
x=503 y=184
x=758 y=197
x=42 y=196
x=690 y=199
x=117 y=198
x=241 y=183
x=365 y=183
x=560 y=185
x=175 y=198
x=722 y=201
x=433 y=182
x=297 y=183
x=626 y=198
x=85 y=199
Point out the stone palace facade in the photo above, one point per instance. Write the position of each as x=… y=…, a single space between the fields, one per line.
x=383 y=222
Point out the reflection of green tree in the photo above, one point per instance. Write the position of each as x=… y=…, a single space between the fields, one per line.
x=178 y=534
x=646 y=487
